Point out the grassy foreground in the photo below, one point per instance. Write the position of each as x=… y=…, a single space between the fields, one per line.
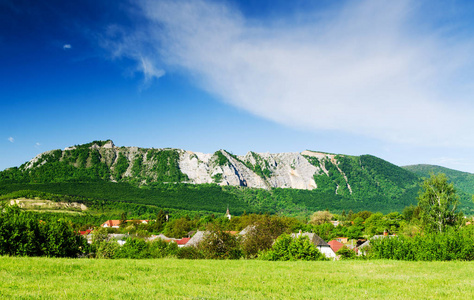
x=53 y=278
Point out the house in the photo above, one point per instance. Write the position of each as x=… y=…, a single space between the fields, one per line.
x=120 y=238
x=182 y=242
x=335 y=223
x=111 y=224
x=335 y=245
x=322 y=246
x=246 y=230
x=85 y=232
x=116 y=223
x=343 y=240
x=197 y=238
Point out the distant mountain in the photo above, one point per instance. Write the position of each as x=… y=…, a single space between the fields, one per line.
x=292 y=183
x=463 y=181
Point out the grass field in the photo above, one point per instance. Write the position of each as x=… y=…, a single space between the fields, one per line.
x=52 y=278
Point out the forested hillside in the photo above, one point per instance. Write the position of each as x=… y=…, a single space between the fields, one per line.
x=145 y=180
x=463 y=181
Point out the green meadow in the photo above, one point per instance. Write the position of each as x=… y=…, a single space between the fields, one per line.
x=54 y=278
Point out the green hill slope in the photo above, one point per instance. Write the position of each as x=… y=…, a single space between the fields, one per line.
x=463 y=181
x=145 y=180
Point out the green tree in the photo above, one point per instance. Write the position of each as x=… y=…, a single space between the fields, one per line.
x=321 y=217
x=261 y=234
x=219 y=244
x=438 y=202
x=123 y=220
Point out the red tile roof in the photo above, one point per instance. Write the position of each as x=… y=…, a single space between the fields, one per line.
x=86 y=232
x=183 y=241
x=335 y=245
x=111 y=223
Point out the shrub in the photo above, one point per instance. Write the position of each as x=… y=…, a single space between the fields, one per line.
x=451 y=245
x=189 y=253
x=218 y=244
x=107 y=249
x=346 y=253
x=288 y=248
x=133 y=248
x=261 y=235
x=24 y=234
x=161 y=248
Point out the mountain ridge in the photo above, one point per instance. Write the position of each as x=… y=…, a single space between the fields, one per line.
x=360 y=181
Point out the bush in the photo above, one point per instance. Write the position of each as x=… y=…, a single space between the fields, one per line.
x=107 y=249
x=451 y=245
x=24 y=234
x=218 y=244
x=133 y=248
x=261 y=235
x=346 y=253
x=161 y=248
x=189 y=253
x=288 y=248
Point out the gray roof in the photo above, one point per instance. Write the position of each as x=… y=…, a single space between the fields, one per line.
x=313 y=238
x=375 y=237
x=197 y=238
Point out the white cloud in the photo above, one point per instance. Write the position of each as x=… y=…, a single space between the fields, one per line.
x=124 y=44
x=67 y=46
x=11 y=139
x=37 y=145
x=373 y=68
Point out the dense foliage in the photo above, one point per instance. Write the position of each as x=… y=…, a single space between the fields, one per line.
x=289 y=248
x=438 y=202
x=452 y=245
x=24 y=234
x=219 y=244
x=463 y=182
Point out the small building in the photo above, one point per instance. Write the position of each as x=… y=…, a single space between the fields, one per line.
x=343 y=240
x=335 y=245
x=197 y=238
x=85 y=232
x=182 y=242
x=116 y=223
x=111 y=224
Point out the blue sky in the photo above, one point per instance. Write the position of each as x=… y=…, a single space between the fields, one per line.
x=389 y=78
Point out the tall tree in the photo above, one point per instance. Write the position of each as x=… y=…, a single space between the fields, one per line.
x=438 y=202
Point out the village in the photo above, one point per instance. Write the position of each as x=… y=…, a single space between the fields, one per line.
x=333 y=249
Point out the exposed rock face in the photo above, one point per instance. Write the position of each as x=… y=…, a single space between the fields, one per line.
x=288 y=170
x=291 y=170
x=255 y=170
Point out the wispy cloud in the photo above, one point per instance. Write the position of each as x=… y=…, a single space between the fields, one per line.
x=131 y=45
x=37 y=145
x=11 y=139
x=67 y=46
x=374 y=68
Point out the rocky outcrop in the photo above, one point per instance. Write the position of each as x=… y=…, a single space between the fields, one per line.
x=254 y=170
